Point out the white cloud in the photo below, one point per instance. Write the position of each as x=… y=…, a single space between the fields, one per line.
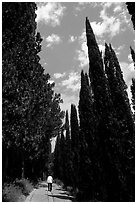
x=117 y=8
x=102 y=48
x=128 y=72
x=50 y=81
x=50 y=13
x=68 y=100
x=52 y=40
x=109 y=25
x=82 y=5
x=130 y=58
x=83 y=52
x=73 y=81
x=59 y=75
x=72 y=38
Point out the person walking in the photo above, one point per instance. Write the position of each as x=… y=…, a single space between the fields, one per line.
x=49 y=181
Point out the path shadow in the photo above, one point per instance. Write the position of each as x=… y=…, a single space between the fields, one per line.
x=44 y=185
x=64 y=193
x=66 y=197
x=60 y=189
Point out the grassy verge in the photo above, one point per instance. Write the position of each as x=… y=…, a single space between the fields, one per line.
x=16 y=191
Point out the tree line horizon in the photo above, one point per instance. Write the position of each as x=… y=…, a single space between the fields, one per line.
x=96 y=155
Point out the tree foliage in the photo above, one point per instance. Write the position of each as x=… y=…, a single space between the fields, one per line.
x=31 y=111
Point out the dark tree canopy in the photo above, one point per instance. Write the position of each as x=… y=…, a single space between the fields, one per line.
x=31 y=111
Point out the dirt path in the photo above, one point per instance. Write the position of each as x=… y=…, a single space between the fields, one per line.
x=41 y=194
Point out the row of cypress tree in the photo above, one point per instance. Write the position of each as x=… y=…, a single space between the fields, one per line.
x=95 y=154
x=31 y=111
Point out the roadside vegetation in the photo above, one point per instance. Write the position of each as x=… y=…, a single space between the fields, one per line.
x=16 y=191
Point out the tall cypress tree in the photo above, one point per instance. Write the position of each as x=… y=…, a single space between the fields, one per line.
x=125 y=129
x=101 y=105
x=107 y=125
x=60 y=157
x=74 y=143
x=68 y=163
x=57 y=157
x=133 y=79
x=88 y=170
x=96 y=71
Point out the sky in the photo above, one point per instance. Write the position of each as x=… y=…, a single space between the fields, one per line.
x=64 y=50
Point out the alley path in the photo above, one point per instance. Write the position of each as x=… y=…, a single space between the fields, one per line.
x=41 y=194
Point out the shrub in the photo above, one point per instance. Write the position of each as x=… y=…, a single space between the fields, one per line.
x=11 y=193
x=16 y=191
x=24 y=185
x=58 y=182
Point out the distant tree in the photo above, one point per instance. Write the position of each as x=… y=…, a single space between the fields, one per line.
x=68 y=152
x=74 y=143
x=57 y=157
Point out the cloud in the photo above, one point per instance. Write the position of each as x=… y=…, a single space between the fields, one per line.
x=51 y=81
x=117 y=9
x=59 y=75
x=73 y=81
x=72 y=38
x=50 y=13
x=128 y=72
x=130 y=58
x=102 y=48
x=68 y=100
x=82 y=54
x=52 y=40
x=82 y=5
x=109 y=25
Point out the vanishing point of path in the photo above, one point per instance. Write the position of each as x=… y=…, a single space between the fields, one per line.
x=41 y=194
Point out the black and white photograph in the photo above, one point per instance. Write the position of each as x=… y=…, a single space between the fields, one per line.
x=68 y=101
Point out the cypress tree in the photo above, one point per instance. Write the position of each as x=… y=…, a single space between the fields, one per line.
x=106 y=124
x=125 y=129
x=133 y=93
x=133 y=80
x=63 y=156
x=68 y=152
x=132 y=54
x=74 y=143
x=88 y=170
x=96 y=73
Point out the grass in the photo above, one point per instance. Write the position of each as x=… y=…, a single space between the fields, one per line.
x=16 y=191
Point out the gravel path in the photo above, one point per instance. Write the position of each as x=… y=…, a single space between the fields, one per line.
x=41 y=194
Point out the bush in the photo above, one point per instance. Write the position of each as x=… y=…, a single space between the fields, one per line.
x=16 y=191
x=11 y=193
x=58 y=182
x=24 y=185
